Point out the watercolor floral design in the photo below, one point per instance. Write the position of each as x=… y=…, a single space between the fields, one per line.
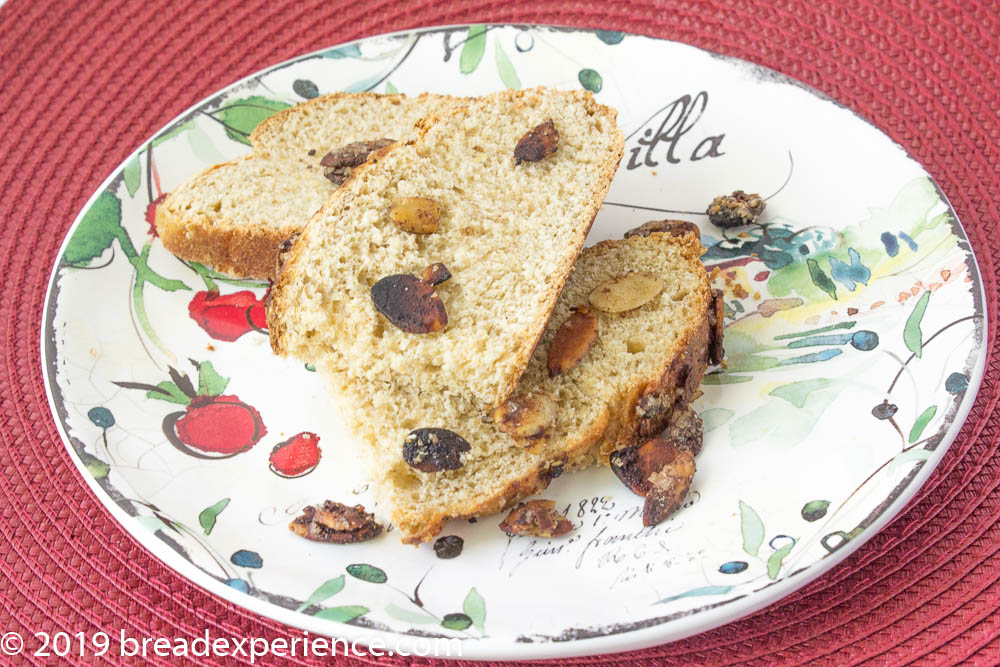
x=800 y=299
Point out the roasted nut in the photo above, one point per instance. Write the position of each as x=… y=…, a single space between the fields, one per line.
x=626 y=292
x=283 y=249
x=449 y=546
x=339 y=164
x=537 y=144
x=668 y=486
x=336 y=523
x=536 y=518
x=672 y=227
x=436 y=273
x=716 y=323
x=417 y=215
x=572 y=342
x=525 y=417
x=434 y=449
x=685 y=428
x=735 y=210
x=635 y=464
x=409 y=303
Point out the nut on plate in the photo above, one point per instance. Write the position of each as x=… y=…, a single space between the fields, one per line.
x=627 y=292
x=525 y=417
x=417 y=215
x=410 y=303
x=572 y=341
x=434 y=449
x=539 y=143
x=536 y=518
x=736 y=210
x=436 y=273
x=338 y=165
x=672 y=227
x=658 y=470
x=335 y=523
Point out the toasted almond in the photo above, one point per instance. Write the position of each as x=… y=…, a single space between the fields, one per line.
x=409 y=303
x=539 y=143
x=572 y=341
x=417 y=215
x=536 y=518
x=336 y=523
x=668 y=486
x=525 y=417
x=436 y=273
x=626 y=292
x=672 y=227
x=636 y=464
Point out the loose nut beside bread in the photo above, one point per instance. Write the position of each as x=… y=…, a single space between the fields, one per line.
x=536 y=518
x=336 y=523
x=658 y=470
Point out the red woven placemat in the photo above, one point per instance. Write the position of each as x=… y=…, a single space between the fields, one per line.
x=83 y=83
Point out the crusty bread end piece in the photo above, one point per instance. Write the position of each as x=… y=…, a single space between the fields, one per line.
x=657 y=350
x=508 y=233
x=234 y=216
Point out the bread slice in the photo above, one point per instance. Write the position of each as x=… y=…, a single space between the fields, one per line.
x=656 y=353
x=508 y=233
x=234 y=216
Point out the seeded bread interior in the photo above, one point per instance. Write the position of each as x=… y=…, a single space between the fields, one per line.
x=508 y=234
x=234 y=216
x=658 y=350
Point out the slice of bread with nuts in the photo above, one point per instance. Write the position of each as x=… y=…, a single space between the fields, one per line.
x=502 y=192
x=234 y=216
x=637 y=374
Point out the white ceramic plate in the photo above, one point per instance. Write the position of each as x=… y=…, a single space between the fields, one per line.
x=855 y=331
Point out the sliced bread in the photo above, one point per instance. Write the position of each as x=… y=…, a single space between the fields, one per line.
x=507 y=230
x=235 y=215
x=643 y=364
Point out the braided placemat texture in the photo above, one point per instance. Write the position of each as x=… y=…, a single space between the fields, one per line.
x=83 y=83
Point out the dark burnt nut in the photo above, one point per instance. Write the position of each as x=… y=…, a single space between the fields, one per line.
x=735 y=210
x=536 y=518
x=716 y=324
x=449 y=546
x=685 y=428
x=338 y=165
x=434 y=449
x=436 y=273
x=537 y=144
x=672 y=227
x=336 y=523
x=409 y=303
x=668 y=486
x=635 y=464
x=283 y=249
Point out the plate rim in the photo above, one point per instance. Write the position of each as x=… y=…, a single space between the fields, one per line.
x=704 y=619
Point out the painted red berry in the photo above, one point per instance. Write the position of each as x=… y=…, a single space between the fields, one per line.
x=228 y=316
x=215 y=427
x=151 y=214
x=297 y=456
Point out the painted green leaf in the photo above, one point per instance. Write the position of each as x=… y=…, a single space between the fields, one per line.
x=796 y=393
x=368 y=573
x=98 y=468
x=918 y=426
x=713 y=418
x=342 y=614
x=391 y=89
x=131 y=175
x=208 y=516
x=506 y=68
x=203 y=147
x=752 y=529
x=695 y=592
x=311 y=368
x=610 y=36
x=820 y=279
x=98 y=228
x=456 y=621
x=327 y=589
x=210 y=383
x=725 y=378
x=912 y=335
x=349 y=51
x=814 y=510
x=409 y=616
x=243 y=115
x=915 y=454
x=173 y=393
x=774 y=561
x=591 y=80
x=473 y=49
x=474 y=607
